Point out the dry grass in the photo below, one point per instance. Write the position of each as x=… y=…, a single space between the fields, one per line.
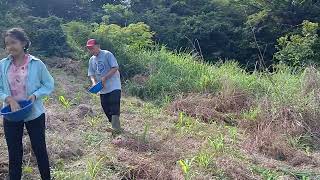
x=72 y=140
x=72 y=67
x=271 y=132
x=211 y=107
x=236 y=170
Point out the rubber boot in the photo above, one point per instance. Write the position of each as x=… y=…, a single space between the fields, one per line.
x=115 y=123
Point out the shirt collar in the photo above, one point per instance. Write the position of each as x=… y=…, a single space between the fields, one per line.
x=31 y=58
x=99 y=54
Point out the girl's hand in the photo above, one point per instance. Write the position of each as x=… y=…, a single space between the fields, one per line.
x=32 y=98
x=13 y=104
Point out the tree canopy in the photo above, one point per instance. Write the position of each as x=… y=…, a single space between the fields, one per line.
x=215 y=29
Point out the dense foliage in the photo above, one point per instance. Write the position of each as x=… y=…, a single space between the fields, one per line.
x=243 y=30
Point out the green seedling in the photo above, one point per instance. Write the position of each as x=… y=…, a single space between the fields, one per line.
x=94 y=121
x=66 y=103
x=184 y=121
x=46 y=99
x=95 y=167
x=217 y=143
x=203 y=159
x=27 y=170
x=145 y=132
x=233 y=132
x=186 y=167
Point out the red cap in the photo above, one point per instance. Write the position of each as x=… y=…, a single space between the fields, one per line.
x=91 y=42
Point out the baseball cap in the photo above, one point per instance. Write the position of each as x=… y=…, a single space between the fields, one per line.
x=91 y=42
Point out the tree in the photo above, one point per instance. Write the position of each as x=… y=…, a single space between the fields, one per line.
x=39 y=7
x=117 y=14
x=299 y=49
x=269 y=20
x=210 y=28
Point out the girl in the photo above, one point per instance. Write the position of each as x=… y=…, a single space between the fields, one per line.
x=22 y=77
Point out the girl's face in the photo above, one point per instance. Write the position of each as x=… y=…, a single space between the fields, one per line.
x=14 y=46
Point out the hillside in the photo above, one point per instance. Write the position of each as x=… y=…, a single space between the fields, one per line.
x=212 y=89
x=215 y=137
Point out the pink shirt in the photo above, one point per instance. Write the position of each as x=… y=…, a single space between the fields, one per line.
x=17 y=76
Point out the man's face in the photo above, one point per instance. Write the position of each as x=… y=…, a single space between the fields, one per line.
x=94 y=50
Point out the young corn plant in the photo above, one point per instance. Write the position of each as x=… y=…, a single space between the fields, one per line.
x=301 y=142
x=95 y=98
x=27 y=170
x=252 y=114
x=302 y=175
x=180 y=122
x=78 y=98
x=46 y=99
x=67 y=175
x=186 y=167
x=203 y=159
x=64 y=102
x=217 y=143
x=305 y=178
x=145 y=132
x=266 y=173
x=184 y=122
x=233 y=132
x=94 y=121
x=93 y=139
x=59 y=172
x=95 y=167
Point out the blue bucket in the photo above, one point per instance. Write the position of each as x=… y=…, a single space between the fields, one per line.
x=22 y=114
x=96 y=88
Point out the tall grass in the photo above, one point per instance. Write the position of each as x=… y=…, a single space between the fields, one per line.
x=170 y=74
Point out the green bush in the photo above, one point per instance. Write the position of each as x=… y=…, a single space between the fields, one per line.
x=47 y=35
x=117 y=14
x=299 y=50
x=134 y=36
x=124 y=42
x=77 y=33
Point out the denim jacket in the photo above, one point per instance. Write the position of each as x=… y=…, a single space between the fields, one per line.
x=39 y=83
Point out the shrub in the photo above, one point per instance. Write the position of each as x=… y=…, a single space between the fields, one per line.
x=47 y=35
x=77 y=34
x=299 y=50
x=124 y=42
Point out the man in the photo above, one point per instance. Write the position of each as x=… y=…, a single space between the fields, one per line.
x=103 y=67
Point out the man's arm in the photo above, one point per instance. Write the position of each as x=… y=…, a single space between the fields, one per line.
x=93 y=80
x=110 y=74
x=91 y=73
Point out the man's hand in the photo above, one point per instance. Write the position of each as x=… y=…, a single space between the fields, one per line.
x=13 y=104
x=93 y=81
x=104 y=82
x=108 y=76
x=32 y=98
